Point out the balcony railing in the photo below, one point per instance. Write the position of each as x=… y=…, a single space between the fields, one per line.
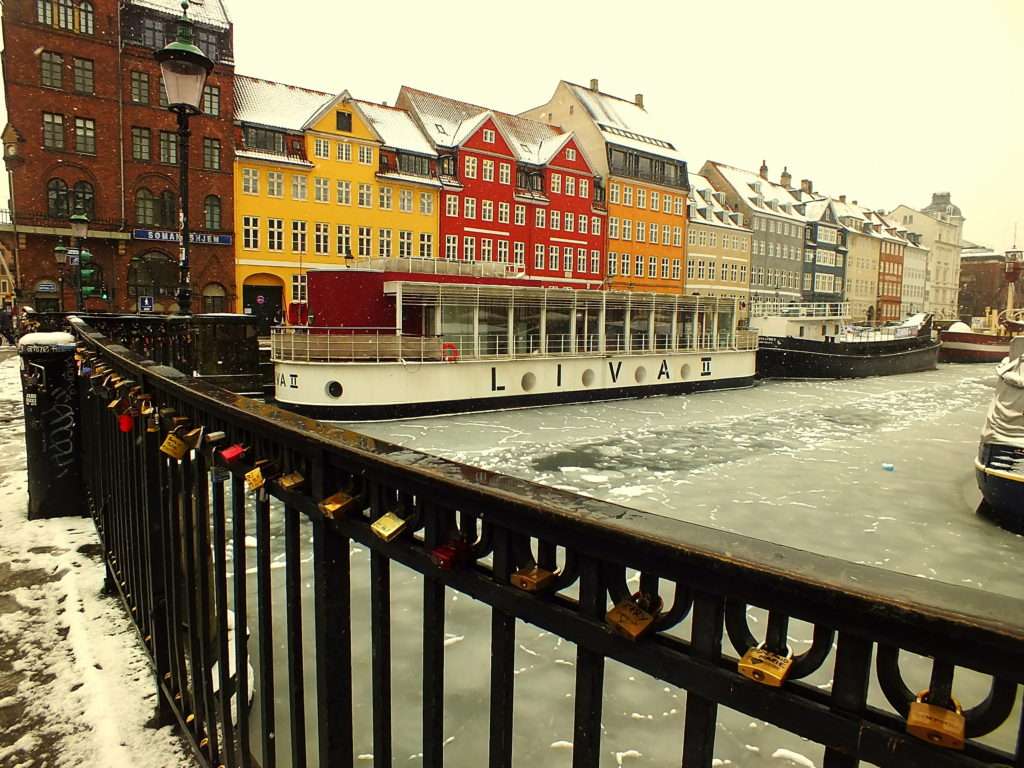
x=215 y=577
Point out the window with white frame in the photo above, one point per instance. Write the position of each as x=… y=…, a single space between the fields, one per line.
x=519 y=253
x=653 y=231
x=627 y=229
x=451 y=205
x=344 y=192
x=570 y=222
x=321 y=239
x=298 y=187
x=581 y=224
x=488 y=170
x=365 y=238
x=556 y=183
x=298 y=237
x=345 y=151
x=298 y=287
x=584 y=188
x=595 y=261
x=505 y=173
x=538 y=256
x=384 y=197
x=676 y=268
x=488 y=136
x=503 y=251
x=365 y=154
x=570 y=154
x=666 y=201
x=638 y=265
x=613 y=192
x=613 y=263
x=275 y=234
x=567 y=258
x=570 y=185
x=625 y=263
x=321 y=189
x=627 y=196
x=405 y=244
x=613 y=227
x=426 y=245
x=664 y=267
x=451 y=247
x=384 y=242
x=712 y=266
x=690 y=265
x=486 y=249
x=405 y=200
x=365 y=196
x=581 y=259
x=469 y=167
x=666 y=233
x=520 y=215
x=553 y=257
x=677 y=236
x=652 y=266
x=344 y=240
x=701 y=271
x=469 y=207
x=468 y=248
x=641 y=198
x=251 y=181
x=322 y=148
x=426 y=203
x=275 y=183
x=655 y=200
x=487 y=210
x=678 y=206
x=503 y=212
x=595 y=225
x=641 y=232
x=807 y=281
x=540 y=218
x=250 y=233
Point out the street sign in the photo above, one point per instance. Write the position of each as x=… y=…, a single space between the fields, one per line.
x=145 y=304
x=73 y=254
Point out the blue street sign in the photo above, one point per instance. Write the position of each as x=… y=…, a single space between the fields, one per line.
x=145 y=304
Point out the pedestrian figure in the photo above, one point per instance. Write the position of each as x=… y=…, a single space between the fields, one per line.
x=7 y=325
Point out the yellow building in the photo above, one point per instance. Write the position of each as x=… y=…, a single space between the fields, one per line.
x=323 y=181
x=645 y=179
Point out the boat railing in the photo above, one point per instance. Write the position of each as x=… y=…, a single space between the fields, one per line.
x=774 y=308
x=418 y=265
x=347 y=345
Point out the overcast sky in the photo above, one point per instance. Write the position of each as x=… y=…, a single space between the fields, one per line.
x=883 y=101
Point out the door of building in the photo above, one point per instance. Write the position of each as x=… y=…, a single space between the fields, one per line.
x=264 y=302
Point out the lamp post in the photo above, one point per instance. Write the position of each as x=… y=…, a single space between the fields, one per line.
x=79 y=231
x=60 y=255
x=184 y=70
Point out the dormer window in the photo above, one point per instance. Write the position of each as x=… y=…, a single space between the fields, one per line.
x=570 y=154
x=488 y=136
x=343 y=121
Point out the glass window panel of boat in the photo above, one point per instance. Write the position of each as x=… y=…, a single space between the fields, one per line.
x=457 y=326
x=558 y=329
x=639 y=327
x=526 y=325
x=493 y=324
x=686 y=325
x=615 y=329
x=588 y=326
x=726 y=317
x=663 y=327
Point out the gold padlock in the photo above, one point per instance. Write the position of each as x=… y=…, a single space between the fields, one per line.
x=291 y=481
x=937 y=725
x=254 y=480
x=146 y=408
x=533 y=579
x=389 y=526
x=174 y=446
x=633 y=617
x=338 y=504
x=763 y=666
x=115 y=404
x=193 y=437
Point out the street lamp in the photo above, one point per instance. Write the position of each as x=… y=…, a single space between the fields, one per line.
x=60 y=255
x=79 y=231
x=184 y=70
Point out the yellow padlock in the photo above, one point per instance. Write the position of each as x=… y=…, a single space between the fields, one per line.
x=338 y=504
x=291 y=481
x=763 y=666
x=254 y=479
x=174 y=446
x=389 y=526
x=937 y=725
x=634 y=617
x=533 y=579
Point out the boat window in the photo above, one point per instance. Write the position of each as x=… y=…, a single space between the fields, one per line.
x=615 y=329
x=801 y=330
x=527 y=329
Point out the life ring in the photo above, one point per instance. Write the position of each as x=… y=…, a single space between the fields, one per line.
x=449 y=352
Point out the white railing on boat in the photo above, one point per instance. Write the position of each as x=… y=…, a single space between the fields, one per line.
x=426 y=266
x=809 y=309
x=345 y=345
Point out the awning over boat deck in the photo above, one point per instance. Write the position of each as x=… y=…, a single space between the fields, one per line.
x=415 y=293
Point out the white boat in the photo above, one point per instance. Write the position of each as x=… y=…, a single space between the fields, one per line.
x=399 y=338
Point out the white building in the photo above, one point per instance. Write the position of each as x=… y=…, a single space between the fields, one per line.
x=941 y=227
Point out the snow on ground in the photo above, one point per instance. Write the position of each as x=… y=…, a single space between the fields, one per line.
x=75 y=686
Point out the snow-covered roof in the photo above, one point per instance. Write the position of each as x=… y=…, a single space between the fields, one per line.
x=708 y=205
x=625 y=123
x=396 y=128
x=275 y=105
x=763 y=196
x=815 y=209
x=448 y=122
x=273 y=157
x=409 y=178
x=210 y=12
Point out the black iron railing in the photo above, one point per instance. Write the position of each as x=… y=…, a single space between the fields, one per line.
x=181 y=535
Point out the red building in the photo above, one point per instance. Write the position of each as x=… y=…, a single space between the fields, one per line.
x=87 y=131
x=514 y=190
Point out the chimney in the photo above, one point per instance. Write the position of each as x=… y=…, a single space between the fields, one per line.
x=785 y=179
x=807 y=186
x=854 y=202
x=593 y=83
x=639 y=100
x=764 y=171
x=842 y=198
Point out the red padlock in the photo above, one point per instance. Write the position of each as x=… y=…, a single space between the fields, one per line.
x=449 y=555
x=125 y=422
x=232 y=453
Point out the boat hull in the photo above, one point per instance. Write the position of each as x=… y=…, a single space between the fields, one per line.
x=396 y=390
x=791 y=358
x=1004 y=496
x=973 y=347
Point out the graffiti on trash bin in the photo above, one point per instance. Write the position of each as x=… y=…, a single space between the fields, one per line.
x=60 y=430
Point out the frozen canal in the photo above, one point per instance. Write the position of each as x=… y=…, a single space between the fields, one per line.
x=802 y=464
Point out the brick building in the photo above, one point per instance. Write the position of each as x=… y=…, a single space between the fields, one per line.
x=87 y=131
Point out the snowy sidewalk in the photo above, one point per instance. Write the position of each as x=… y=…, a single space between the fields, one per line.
x=75 y=686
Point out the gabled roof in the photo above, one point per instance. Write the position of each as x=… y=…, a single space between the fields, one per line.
x=396 y=128
x=210 y=12
x=625 y=122
x=449 y=122
x=275 y=105
x=760 y=194
x=707 y=207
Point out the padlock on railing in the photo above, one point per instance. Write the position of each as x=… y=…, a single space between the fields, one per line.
x=291 y=481
x=451 y=554
x=532 y=579
x=635 y=616
x=174 y=446
x=232 y=453
x=937 y=725
x=764 y=666
x=389 y=526
x=257 y=477
x=341 y=503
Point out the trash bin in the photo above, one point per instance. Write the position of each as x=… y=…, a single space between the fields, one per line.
x=52 y=422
